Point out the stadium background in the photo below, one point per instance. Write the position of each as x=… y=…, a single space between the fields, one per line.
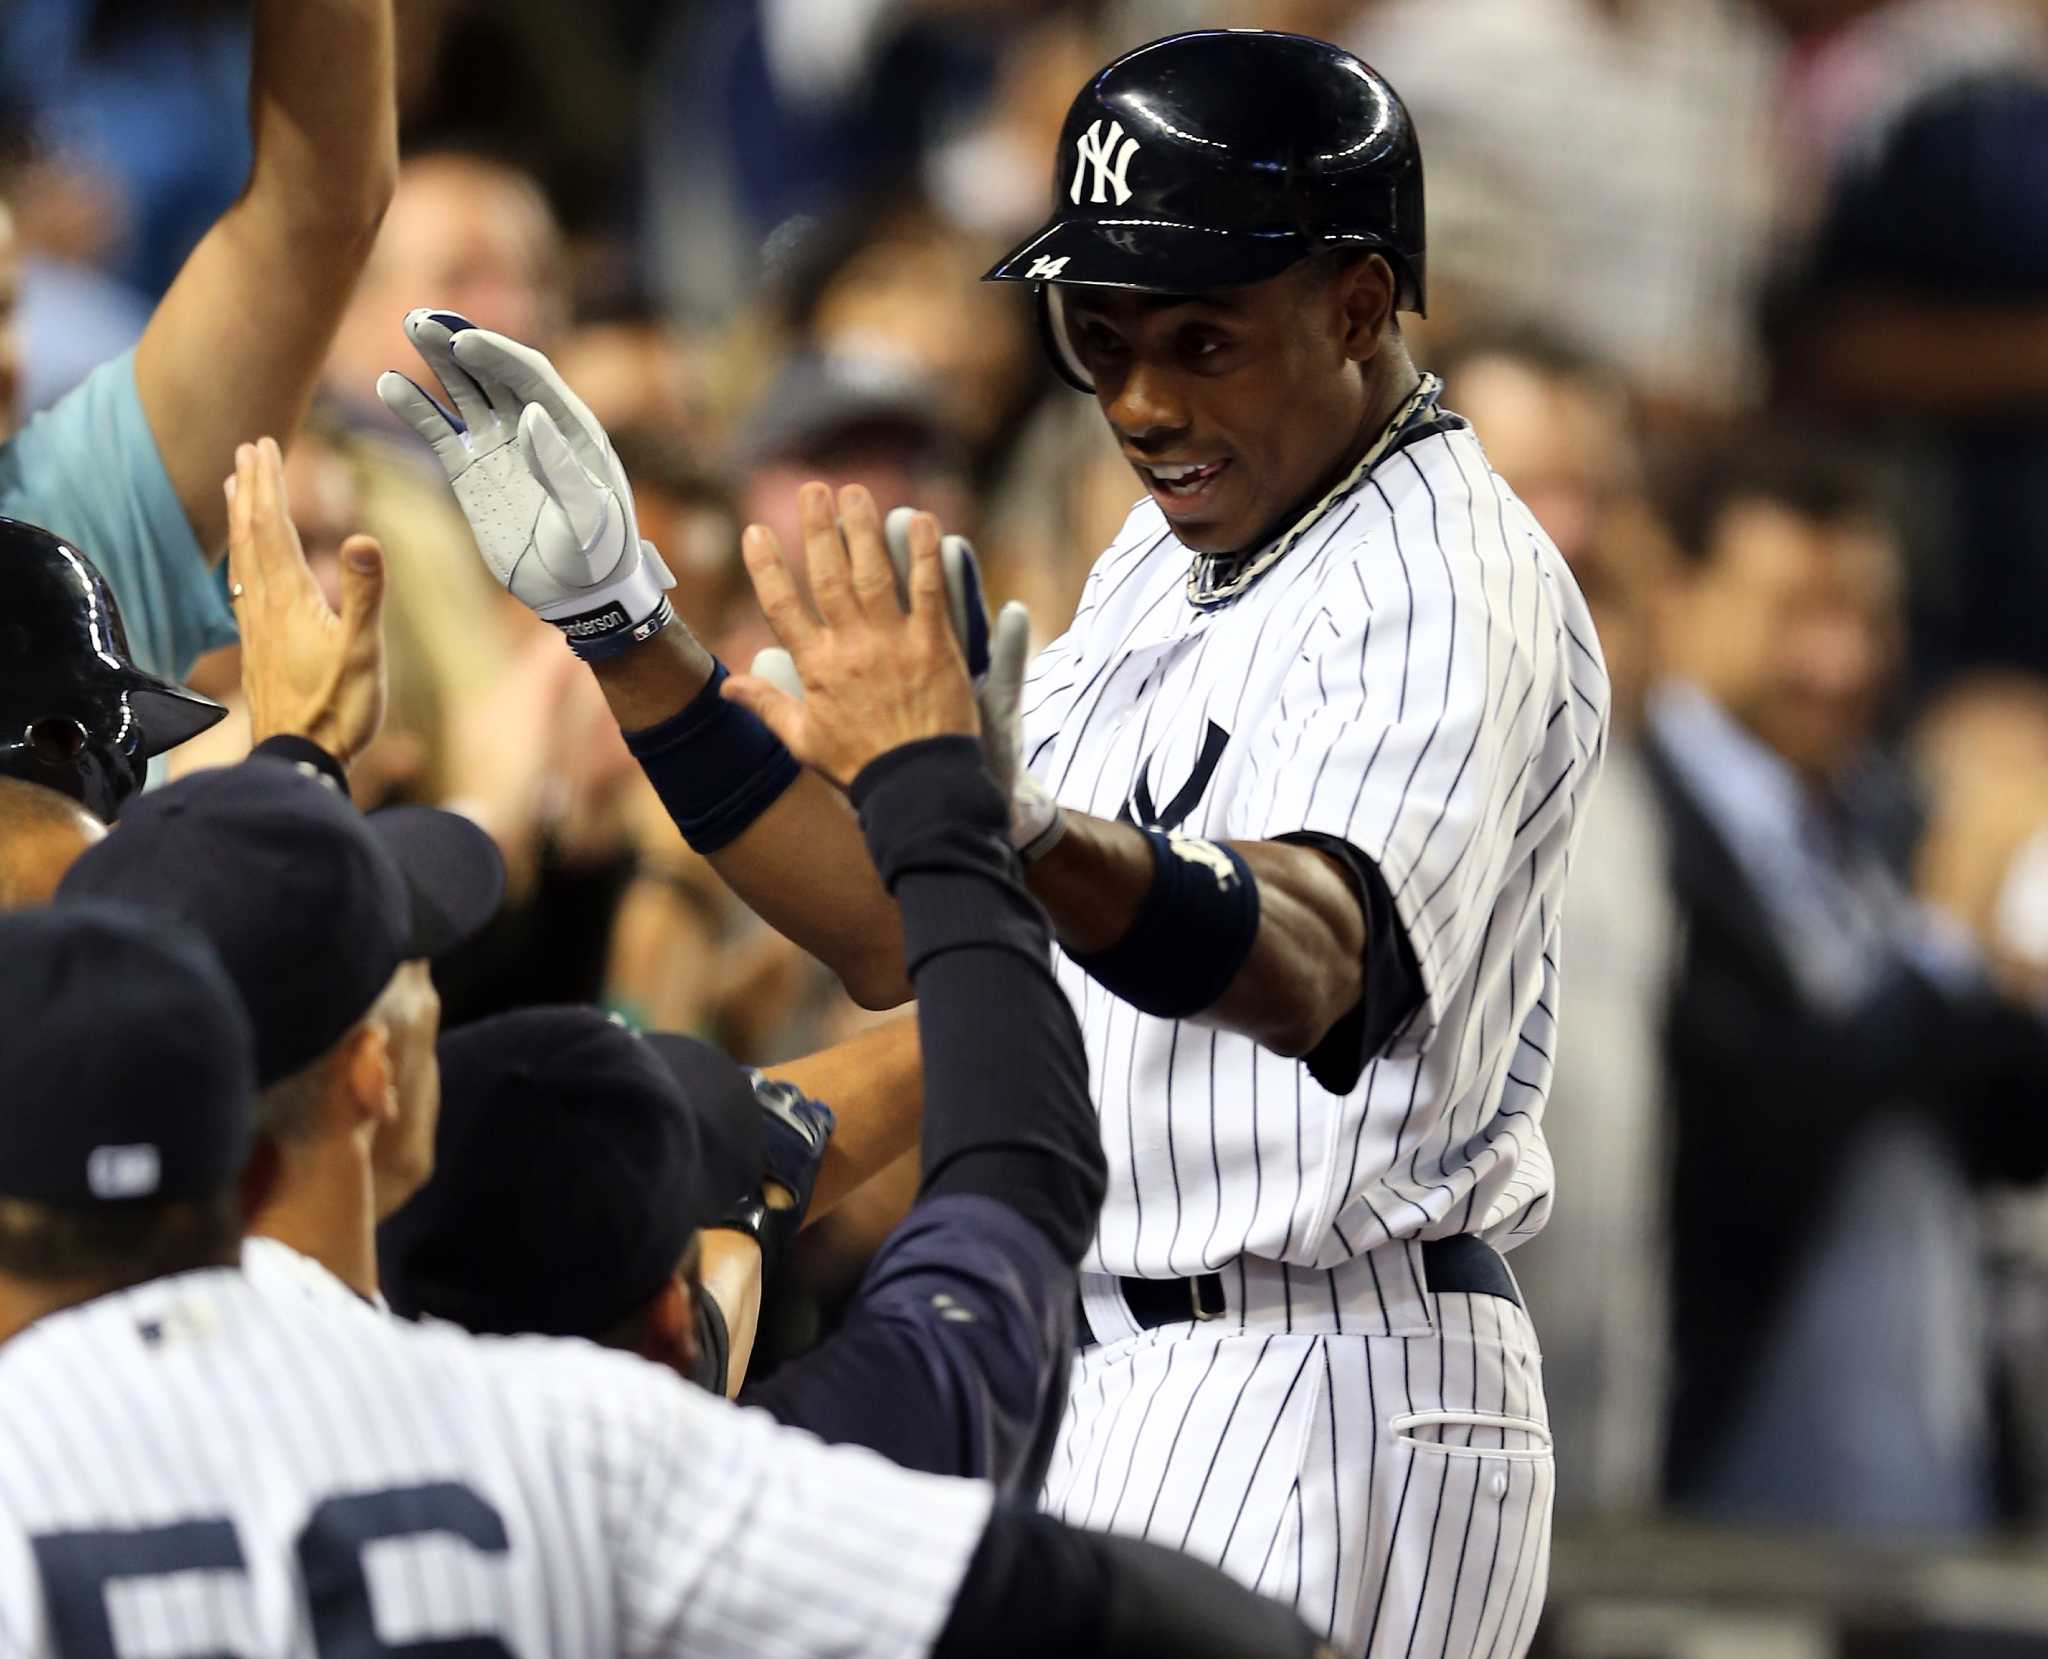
x=749 y=232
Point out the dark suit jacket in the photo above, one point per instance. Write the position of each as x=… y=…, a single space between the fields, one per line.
x=1769 y=1091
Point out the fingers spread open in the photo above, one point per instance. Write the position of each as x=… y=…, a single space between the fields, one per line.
x=498 y=360
x=433 y=335
x=929 y=612
x=825 y=560
x=775 y=589
x=411 y=404
x=874 y=575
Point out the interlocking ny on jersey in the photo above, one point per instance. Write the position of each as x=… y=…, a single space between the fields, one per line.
x=1415 y=674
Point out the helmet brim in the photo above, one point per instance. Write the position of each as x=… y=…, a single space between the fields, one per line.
x=1150 y=254
x=167 y=715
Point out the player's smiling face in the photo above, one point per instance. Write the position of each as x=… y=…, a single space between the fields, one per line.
x=1235 y=408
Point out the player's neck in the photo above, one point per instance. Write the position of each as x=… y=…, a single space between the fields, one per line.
x=24 y=1301
x=325 y=1208
x=1390 y=380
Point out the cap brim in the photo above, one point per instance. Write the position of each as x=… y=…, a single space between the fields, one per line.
x=719 y=1097
x=1159 y=257
x=453 y=873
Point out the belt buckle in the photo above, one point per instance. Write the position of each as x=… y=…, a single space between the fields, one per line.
x=1201 y=1314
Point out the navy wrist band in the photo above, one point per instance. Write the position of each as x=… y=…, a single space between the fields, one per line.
x=1193 y=931
x=715 y=766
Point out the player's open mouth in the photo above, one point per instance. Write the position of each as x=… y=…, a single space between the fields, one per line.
x=1180 y=482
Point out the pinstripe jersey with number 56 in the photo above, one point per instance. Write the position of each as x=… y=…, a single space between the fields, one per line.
x=1418 y=676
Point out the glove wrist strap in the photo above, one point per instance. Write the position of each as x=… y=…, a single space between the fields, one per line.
x=614 y=619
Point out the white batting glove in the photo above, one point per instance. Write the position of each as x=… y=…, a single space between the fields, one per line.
x=535 y=476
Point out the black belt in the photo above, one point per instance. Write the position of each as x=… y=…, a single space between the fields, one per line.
x=1464 y=1264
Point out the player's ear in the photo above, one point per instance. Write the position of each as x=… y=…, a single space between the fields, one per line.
x=1365 y=297
x=372 y=1081
x=260 y=1178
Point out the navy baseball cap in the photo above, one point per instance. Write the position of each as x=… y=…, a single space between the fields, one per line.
x=573 y=1160
x=311 y=906
x=129 y=1062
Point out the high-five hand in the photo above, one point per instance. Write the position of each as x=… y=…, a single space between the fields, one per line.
x=305 y=670
x=874 y=675
x=535 y=476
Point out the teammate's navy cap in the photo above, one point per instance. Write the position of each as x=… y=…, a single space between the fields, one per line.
x=161 y=1111
x=572 y=1162
x=311 y=905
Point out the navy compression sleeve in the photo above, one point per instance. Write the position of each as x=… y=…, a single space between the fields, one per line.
x=1007 y=1111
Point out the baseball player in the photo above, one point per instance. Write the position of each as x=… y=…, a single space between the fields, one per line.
x=192 y=1464
x=1298 y=789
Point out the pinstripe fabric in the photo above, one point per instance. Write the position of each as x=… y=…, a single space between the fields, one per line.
x=640 y=1516
x=1276 y=1457
x=1419 y=677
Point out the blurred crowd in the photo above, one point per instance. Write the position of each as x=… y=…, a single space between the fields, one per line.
x=1748 y=299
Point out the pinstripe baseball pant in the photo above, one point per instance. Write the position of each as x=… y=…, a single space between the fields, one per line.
x=1386 y=1468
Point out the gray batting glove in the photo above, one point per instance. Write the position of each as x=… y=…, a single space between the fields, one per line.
x=535 y=476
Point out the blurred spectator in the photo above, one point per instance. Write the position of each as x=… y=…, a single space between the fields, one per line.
x=690 y=514
x=130 y=463
x=1841 y=1068
x=893 y=282
x=849 y=420
x=69 y=314
x=764 y=114
x=466 y=233
x=1557 y=428
x=634 y=370
x=1982 y=756
x=145 y=108
x=1598 y=167
x=1922 y=311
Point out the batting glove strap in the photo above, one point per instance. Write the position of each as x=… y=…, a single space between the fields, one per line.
x=617 y=618
x=1036 y=820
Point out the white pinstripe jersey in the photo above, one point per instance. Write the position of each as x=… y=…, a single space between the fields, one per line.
x=1418 y=676
x=197 y=1466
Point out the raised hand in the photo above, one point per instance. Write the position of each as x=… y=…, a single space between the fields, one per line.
x=305 y=670
x=535 y=476
x=874 y=675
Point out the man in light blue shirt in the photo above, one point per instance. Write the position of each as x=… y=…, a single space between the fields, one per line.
x=130 y=465
x=89 y=471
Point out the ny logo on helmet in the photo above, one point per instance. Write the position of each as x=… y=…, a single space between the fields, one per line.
x=1110 y=156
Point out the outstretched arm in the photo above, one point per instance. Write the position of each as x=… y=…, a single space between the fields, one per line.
x=234 y=348
x=801 y=866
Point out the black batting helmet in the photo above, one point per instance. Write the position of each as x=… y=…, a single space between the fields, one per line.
x=1220 y=158
x=75 y=712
